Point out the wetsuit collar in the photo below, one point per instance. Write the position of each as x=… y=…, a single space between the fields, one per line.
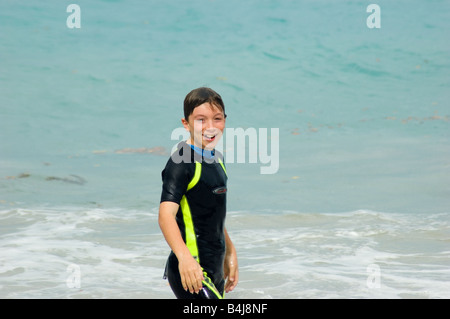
x=205 y=153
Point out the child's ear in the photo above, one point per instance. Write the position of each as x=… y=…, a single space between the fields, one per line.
x=185 y=124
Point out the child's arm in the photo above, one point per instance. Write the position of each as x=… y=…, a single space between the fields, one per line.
x=190 y=271
x=231 y=264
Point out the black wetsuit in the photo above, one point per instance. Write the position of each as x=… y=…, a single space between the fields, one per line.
x=198 y=185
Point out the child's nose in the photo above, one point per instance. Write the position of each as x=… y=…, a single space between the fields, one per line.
x=209 y=124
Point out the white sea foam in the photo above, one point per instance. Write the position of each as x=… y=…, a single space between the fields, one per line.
x=333 y=257
x=116 y=250
x=121 y=254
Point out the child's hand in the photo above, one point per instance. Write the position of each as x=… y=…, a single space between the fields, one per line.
x=231 y=271
x=191 y=274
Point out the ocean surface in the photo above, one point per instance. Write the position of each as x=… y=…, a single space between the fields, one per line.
x=359 y=205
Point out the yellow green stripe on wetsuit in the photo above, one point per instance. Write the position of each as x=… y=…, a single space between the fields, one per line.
x=191 y=238
x=223 y=166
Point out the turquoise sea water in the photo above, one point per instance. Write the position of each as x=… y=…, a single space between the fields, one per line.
x=86 y=117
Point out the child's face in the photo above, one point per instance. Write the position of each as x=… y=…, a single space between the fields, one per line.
x=206 y=125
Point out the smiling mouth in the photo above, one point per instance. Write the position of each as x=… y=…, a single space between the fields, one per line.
x=209 y=137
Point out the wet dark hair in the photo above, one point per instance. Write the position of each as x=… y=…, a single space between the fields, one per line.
x=199 y=96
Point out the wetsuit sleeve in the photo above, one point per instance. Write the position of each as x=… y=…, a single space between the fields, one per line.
x=175 y=178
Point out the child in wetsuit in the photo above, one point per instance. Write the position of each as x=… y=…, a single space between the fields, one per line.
x=193 y=205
